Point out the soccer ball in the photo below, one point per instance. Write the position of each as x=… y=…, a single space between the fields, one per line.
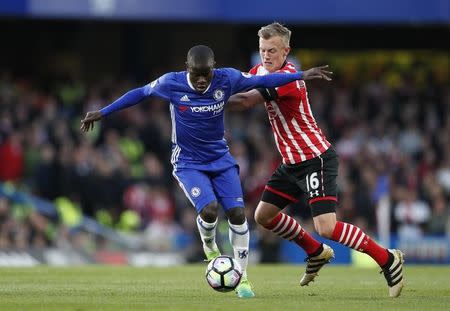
x=223 y=274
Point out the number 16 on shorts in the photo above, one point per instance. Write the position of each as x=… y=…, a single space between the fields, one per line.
x=313 y=184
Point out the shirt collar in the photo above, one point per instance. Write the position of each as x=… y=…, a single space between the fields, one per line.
x=192 y=87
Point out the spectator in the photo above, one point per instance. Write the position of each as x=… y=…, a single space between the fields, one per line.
x=412 y=215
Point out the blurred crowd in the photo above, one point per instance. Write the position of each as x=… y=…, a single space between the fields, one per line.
x=390 y=127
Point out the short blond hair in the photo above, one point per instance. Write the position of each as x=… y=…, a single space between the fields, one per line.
x=273 y=30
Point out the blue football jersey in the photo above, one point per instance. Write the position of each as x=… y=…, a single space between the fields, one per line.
x=198 y=118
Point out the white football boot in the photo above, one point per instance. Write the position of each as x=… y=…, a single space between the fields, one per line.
x=394 y=273
x=314 y=264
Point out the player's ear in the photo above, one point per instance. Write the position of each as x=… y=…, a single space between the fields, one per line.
x=287 y=50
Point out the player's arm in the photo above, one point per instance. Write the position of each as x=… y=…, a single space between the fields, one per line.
x=157 y=88
x=241 y=101
x=244 y=81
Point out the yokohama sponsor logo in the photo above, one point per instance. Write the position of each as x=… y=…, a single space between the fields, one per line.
x=216 y=108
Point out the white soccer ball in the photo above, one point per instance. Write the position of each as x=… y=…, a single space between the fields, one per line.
x=223 y=273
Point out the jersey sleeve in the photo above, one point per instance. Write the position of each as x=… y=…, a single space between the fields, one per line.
x=241 y=81
x=159 y=87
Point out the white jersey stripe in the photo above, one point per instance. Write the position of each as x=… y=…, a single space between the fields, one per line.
x=307 y=122
x=287 y=149
x=305 y=118
x=174 y=130
x=175 y=154
x=305 y=137
x=288 y=131
x=178 y=153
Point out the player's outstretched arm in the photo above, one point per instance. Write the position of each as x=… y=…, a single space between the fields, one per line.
x=242 y=101
x=243 y=81
x=129 y=99
x=317 y=73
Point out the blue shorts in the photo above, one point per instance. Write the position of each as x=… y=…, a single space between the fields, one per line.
x=204 y=187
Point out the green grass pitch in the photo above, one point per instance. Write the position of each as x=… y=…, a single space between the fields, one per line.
x=184 y=288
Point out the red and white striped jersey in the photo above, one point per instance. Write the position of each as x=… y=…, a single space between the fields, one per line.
x=297 y=136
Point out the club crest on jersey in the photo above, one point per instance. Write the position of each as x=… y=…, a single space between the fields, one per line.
x=195 y=191
x=218 y=94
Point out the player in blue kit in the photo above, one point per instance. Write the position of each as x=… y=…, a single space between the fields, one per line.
x=202 y=163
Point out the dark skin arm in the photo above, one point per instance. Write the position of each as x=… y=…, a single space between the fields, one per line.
x=242 y=101
x=317 y=73
x=87 y=124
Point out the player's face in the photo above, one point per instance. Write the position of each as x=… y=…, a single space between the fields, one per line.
x=273 y=53
x=200 y=77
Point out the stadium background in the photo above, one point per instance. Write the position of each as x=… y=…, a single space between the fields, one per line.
x=109 y=197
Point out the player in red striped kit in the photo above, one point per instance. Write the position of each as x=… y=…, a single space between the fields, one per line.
x=310 y=165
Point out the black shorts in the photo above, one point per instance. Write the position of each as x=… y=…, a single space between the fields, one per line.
x=315 y=177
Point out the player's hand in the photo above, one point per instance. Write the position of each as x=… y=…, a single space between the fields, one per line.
x=87 y=123
x=317 y=73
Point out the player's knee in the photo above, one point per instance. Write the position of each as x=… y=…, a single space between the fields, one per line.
x=260 y=218
x=325 y=232
x=265 y=213
x=209 y=212
x=324 y=225
x=236 y=215
x=324 y=228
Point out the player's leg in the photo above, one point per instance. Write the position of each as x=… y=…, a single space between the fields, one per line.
x=206 y=224
x=323 y=189
x=318 y=254
x=228 y=188
x=198 y=189
x=269 y=215
x=239 y=235
x=391 y=261
x=280 y=191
